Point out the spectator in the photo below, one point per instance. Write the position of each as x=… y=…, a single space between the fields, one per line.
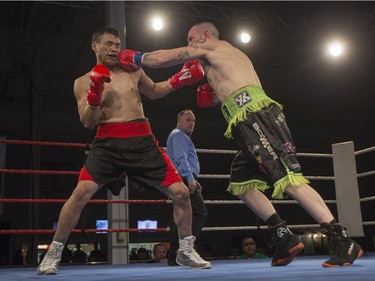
x=142 y=254
x=96 y=255
x=249 y=249
x=79 y=256
x=159 y=253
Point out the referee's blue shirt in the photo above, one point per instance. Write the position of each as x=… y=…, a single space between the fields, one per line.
x=182 y=152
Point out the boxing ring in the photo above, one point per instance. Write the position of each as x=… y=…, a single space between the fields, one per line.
x=119 y=268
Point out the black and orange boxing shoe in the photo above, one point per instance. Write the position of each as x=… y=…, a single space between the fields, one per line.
x=287 y=245
x=343 y=250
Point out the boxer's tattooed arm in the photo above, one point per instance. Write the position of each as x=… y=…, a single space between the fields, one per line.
x=147 y=58
x=182 y=55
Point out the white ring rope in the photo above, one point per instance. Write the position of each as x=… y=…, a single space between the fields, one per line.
x=235 y=202
x=226 y=151
x=295 y=226
x=213 y=176
x=366 y=199
x=365 y=150
x=369 y=173
x=225 y=228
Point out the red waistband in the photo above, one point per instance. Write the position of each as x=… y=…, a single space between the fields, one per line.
x=124 y=130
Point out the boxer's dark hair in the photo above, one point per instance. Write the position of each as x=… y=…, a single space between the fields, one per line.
x=97 y=35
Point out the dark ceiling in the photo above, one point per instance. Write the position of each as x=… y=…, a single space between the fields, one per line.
x=46 y=45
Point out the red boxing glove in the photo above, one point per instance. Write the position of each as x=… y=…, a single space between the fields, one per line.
x=98 y=76
x=190 y=73
x=130 y=60
x=206 y=96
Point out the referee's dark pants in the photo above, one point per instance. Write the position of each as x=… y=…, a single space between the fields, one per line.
x=199 y=219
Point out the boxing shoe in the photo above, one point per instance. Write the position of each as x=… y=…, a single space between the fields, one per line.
x=343 y=250
x=186 y=255
x=287 y=245
x=51 y=260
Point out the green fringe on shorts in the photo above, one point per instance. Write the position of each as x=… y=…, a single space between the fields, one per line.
x=294 y=179
x=238 y=188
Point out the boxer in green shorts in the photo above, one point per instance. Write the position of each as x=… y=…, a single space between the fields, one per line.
x=267 y=153
x=258 y=125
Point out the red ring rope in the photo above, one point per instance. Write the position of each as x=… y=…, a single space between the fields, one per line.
x=49 y=231
x=38 y=172
x=47 y=143
x=96 y=201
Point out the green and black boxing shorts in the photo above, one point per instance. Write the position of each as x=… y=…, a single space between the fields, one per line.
x=267 y=152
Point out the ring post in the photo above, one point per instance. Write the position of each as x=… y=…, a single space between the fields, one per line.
x=346 y=186
x=118 y=218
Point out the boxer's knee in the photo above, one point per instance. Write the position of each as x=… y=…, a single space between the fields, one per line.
x=178 y=192
x=84 y=191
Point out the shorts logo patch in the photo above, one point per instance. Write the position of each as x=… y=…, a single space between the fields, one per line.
x=242 y=99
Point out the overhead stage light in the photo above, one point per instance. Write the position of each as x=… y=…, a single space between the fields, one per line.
x=245 y=37
x=157 y=23
x=335 y=49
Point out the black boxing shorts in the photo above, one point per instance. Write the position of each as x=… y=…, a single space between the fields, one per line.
x=129 y=148
x=267 y=154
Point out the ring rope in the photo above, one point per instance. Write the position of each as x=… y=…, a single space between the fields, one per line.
x=201 y=150
x=94 y=201
x=369 y=149
x=38 y=172
x=364 y=174
x=214 y=202
x=48 y=231
x=366 y=199
x=220 y=228
x=225 y=151
x=213 y=228
x=213 y=176
x=46 y=143
x=206 y=176
x=126 y=201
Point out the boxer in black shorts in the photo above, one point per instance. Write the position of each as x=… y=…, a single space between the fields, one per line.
x=128 y=147
x=257 y=124
x=108 y=98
